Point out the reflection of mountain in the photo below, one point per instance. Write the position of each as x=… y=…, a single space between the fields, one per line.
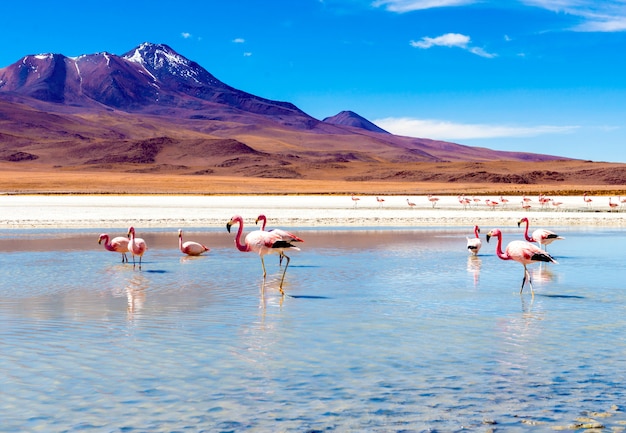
x=152 y=106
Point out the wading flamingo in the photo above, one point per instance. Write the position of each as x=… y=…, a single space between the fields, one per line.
x=190 y=248
x=261 y=242
x=285 y=236
x=541 y=236
x=522 y=252
x=355 y=200
x=118 y=244
x=433 y=199
x=410 y=203
x=474 y=244
x=613 y=205
x=380 y=201
x=136 y=246
x=587 y=199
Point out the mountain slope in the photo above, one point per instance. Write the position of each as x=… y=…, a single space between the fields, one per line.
x=154 y=107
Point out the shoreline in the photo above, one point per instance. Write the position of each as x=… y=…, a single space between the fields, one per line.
x=315 y=211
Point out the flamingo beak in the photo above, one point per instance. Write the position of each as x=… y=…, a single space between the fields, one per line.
x=256 y=221
x=228 y=225
x=519 y=223
x=488 y=236
x=99 y=241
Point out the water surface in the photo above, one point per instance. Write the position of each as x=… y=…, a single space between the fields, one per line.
x=382 y=330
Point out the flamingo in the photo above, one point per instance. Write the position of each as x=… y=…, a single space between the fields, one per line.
x=556 y=204
x=355 y=200
x=541 y=236
x=380 y=201
x=476 y=200
x=522 y=252
x=504 y=201
x=262 y=243
x=474 y=244
x=286 y=236
x=410 y=203
x=190 y=248
x=464 y=201
x=613 y=205
x=136 y=246
x=622 y=200
x=118 y=244
x=587 y=200
x=491 y=203
x=432 y=199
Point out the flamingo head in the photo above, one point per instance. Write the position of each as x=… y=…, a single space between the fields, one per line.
x=234 y=220
x=180 y=233
x=523 y=220
x=260 y=218
x=493 y=233
x=131 y=230
x=101 y=238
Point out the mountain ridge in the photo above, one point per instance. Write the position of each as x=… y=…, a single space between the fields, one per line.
x=102 y=108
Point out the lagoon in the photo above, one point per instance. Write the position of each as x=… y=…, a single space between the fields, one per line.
x=382 y=330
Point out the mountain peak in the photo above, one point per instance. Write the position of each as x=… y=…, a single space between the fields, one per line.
x=350 y=118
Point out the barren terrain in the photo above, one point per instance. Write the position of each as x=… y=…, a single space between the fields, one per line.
x=496 y=177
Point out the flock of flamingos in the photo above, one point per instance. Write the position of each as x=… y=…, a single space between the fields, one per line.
x=279 y=241
x=260 y=241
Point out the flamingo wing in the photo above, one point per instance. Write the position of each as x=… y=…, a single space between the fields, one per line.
x=120 y=244
x=474 y=245
x=194 y=248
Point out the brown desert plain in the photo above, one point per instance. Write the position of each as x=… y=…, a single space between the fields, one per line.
x=566 y=177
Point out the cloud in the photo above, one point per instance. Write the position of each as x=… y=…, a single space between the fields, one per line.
x=186 y=35
x=446 y=130
x=239 y=40
x=451 y=40
x=247 y=54
x=401 y=6
x=598 y=16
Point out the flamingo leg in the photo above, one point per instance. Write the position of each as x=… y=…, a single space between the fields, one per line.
x=263 y=265
x=530 y=283
x=282 y=292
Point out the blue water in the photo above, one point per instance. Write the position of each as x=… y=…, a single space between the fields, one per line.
x=380 y=331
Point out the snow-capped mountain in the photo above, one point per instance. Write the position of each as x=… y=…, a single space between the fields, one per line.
x=149 y=78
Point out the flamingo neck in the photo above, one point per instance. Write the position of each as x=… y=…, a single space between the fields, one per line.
x=499 y=252
x=238 y=244
x=476 y=232
x=526 y=236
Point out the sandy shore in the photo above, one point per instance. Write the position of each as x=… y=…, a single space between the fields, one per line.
x=164 y=211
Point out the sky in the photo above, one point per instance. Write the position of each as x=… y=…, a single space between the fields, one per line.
x=543 y=76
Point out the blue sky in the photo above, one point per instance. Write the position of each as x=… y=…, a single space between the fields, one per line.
x=525 y=75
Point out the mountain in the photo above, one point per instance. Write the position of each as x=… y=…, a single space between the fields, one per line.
x=153 y=107
x=350 y=118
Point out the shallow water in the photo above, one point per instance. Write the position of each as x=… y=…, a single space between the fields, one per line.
x=382 y=331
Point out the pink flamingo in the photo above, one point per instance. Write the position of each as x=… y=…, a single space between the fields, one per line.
x=136 y=246
x=433 y=199
x=474 y=244
x=541 y=236
x=613 y=205
x=526 y=205
x=504 y=201
x=190 y=248
x=464 y=201
x=410 y=203
x=286 y=236
x=355 y=200
x=522 y=252
x=556 y=204
x=118 y=244
x=262 y=243
x=380 y=201
x=587 y=199
x=491 y=203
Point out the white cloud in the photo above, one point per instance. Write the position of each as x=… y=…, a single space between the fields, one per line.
x=239 y=40
x=451 y=40
x=401 y=6
x=446 y=130
x=247 y=54
x=598 y=16
x=186 y=35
